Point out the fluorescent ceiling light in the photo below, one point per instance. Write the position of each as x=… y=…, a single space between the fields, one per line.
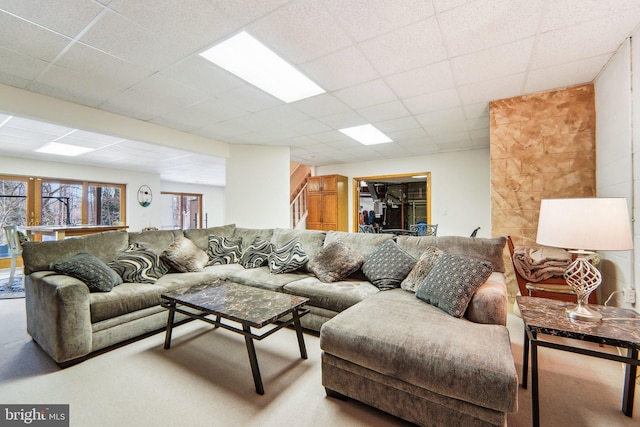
x=252 y=61
x=63 y=149
x=366 y=134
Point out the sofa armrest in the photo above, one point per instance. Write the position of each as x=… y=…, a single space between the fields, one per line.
x=58 y=315
x=489 y=304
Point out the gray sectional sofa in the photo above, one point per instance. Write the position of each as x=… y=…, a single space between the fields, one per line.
x=386 y=348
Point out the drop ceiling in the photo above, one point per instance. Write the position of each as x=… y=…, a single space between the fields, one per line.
x=421 y=71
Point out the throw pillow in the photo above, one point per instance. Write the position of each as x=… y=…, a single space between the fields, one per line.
x=97 y=275
x=335 y=261
x=257 y=254
x=183 y=255
x=287 y=258
x=388 y=265
x=138 y=265
x=421 y=269
x=451 y=283
x=224 y=250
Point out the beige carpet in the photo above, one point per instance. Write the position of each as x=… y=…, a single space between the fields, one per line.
x=205 y=380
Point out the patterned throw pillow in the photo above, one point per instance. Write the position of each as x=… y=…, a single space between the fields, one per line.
x=184 y=256
x=335 y=261
x=424 y=265
x=451 y=283
x=97 y=275
x=257 y=254
x=138 y=265
x=224 y=250
x=388 y=265
x=288 y=257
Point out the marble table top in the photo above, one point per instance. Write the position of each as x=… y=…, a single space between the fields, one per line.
x=547 y=316
x=245 y=304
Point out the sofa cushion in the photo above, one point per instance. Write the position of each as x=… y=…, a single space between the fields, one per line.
x=262 y=278
x=288 y=257
x=183 y=255
x=335 y=262
x=312 y=241
x=363 y=243
x=490 y=250
x=257 y=254
x=124 y=299
x=89 y=269
x=200 y=236
x=138 y=264
x=335 y=296
x=388 y=265
x=451 y=283
x=395 y=334
x=155 y=241
x=248 y=235
x=224 y=250
x=419 y=271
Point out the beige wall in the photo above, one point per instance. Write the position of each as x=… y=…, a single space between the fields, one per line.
x=542 y=146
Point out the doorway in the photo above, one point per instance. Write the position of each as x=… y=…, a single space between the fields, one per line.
x=392 y=202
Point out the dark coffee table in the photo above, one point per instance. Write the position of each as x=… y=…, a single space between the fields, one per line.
x=620 y=327
x=249 y=306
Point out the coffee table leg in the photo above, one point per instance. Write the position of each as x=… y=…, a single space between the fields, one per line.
x=253 y=359
x=172 y=314
x=535 y=403
x=296 y=322
x=629 y=383
x=525 y=359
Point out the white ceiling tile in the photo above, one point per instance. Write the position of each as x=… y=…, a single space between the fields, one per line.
x=564 y=75
x=400 y=124
x=444 y=99
x=343 y=120
x=310 y=127
x=300 y=31
x=410 y=47
x=477 y=110
x=20 y=68
x=444 y=5
x=444 y=121
x=339 y=70
x=488 y=64
x=505 y=87
x=222 y=131
x=202 y=75
x=18 y=35
x=321 y=105
x=248 y=97
x=483 y=24
x=199 y=115
x=365 y=19
x=367 y=94
x=582 y=41
x=561 y=14
x=382 y=112
x=430 y=78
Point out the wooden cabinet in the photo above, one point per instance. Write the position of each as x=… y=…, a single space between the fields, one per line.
x=327 y=203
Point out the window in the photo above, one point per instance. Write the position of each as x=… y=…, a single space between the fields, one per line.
x=49 y=201
x=181 y=210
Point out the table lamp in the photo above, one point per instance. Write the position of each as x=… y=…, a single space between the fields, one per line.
x=583 y=226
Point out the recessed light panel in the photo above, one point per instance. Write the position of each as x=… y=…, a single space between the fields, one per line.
x=63 y=149
x=252 y=61
x=366 y=134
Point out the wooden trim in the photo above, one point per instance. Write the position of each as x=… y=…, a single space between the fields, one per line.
x=6 y=262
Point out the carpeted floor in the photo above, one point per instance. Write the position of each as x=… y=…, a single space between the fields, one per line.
x=205 y=380
x=15 y=290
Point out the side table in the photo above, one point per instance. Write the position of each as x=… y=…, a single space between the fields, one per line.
x=620 y=327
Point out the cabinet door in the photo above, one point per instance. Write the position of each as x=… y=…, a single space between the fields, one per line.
x=314 y=184
x=330 y=183
x=330 y=211
x=314 y=214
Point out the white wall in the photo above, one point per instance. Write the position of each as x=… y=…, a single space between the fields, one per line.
x=257 y=186
x=213 y=201
x=460 y=187
x=615 y=102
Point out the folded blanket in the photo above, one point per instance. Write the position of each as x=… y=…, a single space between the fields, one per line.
x=537 y=264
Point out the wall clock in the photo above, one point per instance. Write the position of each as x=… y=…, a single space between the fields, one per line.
x=144 y=195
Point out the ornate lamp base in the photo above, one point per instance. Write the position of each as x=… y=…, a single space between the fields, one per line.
x=584 y=278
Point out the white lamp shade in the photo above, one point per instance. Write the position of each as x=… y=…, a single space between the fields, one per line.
x=588 y=224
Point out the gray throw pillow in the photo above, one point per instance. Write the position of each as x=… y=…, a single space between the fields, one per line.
x=424 y=265
x=451 y=283
x=184 y=256
x=138 y=265
x=335 y=261
x=97 y=275
x=224 y=250
x=257 y=254
x=388 y=265
x=287 y=258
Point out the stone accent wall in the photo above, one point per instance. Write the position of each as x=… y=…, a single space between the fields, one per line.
x=542 y=146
